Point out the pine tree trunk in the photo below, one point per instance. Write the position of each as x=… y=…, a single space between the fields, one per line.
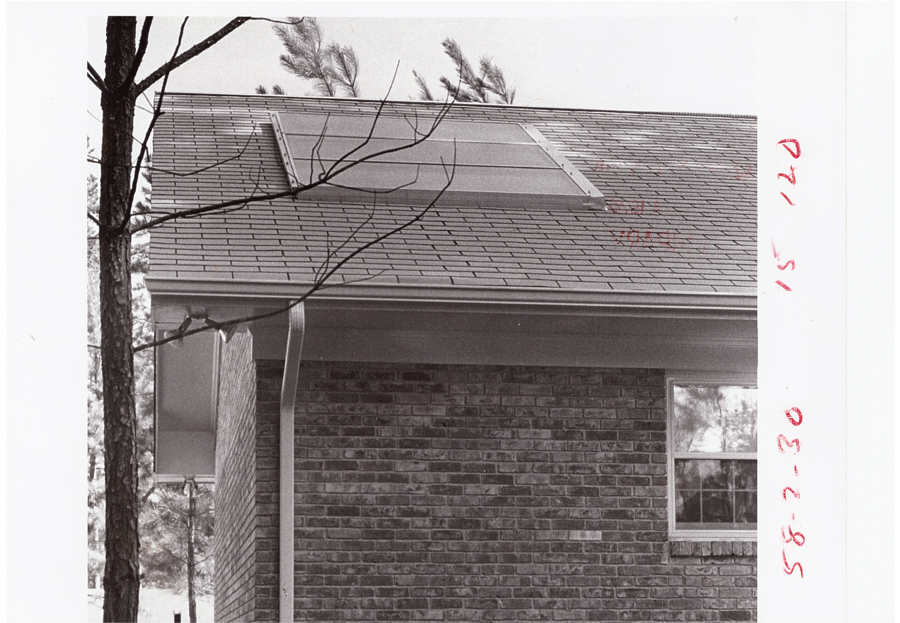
x=121 y=575
x=191 y=563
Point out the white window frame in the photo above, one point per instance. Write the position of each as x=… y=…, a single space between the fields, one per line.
x=701 y=378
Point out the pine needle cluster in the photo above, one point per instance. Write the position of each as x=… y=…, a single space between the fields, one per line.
x=333 y=68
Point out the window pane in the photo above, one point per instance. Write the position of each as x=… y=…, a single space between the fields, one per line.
x=745 y=506
x=715 y=494
x=687 y=474
x=745 y=475
x=716 y=474
x=687 y=506
x=716 y=507
x=710 y=418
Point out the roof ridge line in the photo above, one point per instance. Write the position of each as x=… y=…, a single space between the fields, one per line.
x=474 y=104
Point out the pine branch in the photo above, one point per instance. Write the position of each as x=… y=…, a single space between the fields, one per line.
x=305 y=57
x=346 y=65
x=424 y=92
x=495 y=81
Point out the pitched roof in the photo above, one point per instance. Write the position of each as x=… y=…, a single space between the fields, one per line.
x=680 y=191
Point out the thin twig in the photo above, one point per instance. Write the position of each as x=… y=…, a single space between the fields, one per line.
x=377 y=191
x=350 y=238
x=333 y=172
x=275 y=21
x=208 y=167
x=374 y=123
x=147 y=495
x=322 y=280
x=315 y=154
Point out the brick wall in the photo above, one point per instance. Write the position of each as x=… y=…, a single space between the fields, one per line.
x=246 y=540
x=469 y=493
x=235 y=458
x=269 y=375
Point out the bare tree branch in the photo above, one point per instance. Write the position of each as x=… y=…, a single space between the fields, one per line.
x=332 y=173
x=240 y=154
x=94 y=218
x=138 y=57
x=320 y=283
x=210 y=41
x=271 y=21
x=147 y=495
x=157 y=112
x=208 y=167
x=95 y=78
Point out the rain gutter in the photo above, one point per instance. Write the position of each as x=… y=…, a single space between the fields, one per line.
x=634 y=302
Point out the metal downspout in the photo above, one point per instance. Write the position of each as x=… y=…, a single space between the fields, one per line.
x=296 y=330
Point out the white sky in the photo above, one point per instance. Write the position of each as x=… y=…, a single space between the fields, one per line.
x=681 y=62
x=686 y=58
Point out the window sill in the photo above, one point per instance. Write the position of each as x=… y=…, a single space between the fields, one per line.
x=712 y=547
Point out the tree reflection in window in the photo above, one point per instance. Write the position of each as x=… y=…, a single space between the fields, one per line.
x=712 y=418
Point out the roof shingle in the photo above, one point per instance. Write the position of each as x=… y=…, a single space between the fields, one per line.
x=680 y=191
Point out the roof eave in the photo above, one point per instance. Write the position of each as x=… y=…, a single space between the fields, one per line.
x=650 y=302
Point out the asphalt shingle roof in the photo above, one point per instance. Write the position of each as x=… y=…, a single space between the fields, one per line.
x=680 y=191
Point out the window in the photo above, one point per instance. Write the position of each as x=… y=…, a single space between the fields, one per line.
x=712 y=457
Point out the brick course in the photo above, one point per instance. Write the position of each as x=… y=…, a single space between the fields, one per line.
x=464 y=493
x=246 y=543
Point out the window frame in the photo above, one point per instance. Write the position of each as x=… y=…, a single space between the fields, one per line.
x=702 y=379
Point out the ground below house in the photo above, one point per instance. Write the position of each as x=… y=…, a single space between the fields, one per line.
x=157 y=605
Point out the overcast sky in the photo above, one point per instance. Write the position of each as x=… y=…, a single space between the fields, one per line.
x=685 y=57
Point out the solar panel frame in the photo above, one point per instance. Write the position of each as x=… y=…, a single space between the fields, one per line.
x=496 y=164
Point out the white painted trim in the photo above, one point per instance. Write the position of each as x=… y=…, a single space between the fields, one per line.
x=176 y=291
x=713 y=535
x=287 y=159
x=214 y=408
x=293 y=352
x=169 y=478
x=593 y=199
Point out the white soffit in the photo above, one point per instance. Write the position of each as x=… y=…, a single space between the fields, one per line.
x=496 y=164
x=185 y=407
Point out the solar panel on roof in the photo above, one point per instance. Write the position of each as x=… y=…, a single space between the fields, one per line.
x=493 y=164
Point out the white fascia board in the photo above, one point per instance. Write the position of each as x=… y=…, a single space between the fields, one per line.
x=271 y=293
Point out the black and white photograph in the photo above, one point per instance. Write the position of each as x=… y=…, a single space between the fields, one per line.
x=464 y=315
